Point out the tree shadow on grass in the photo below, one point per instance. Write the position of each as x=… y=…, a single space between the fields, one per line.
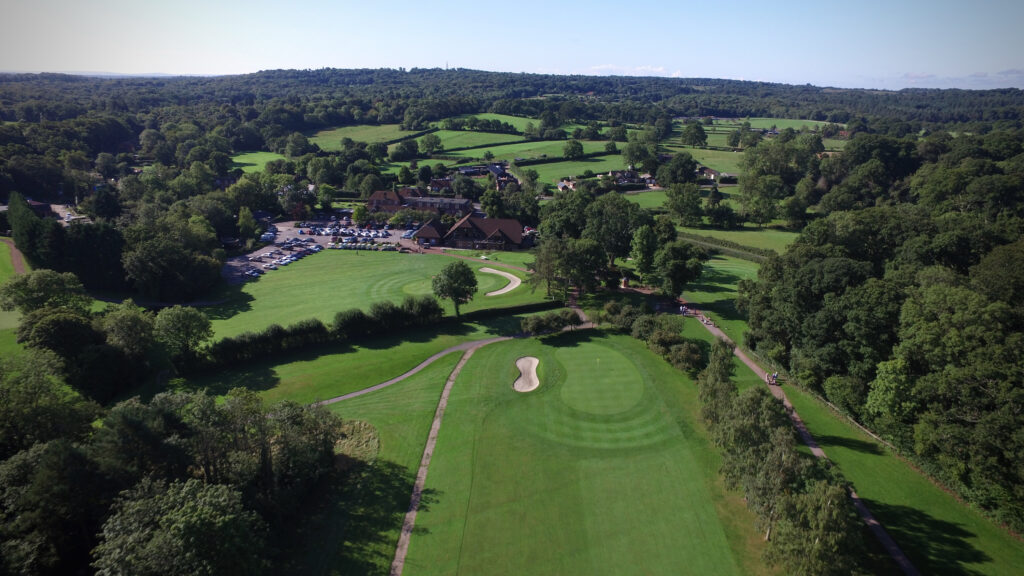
x=934 y=546
x=852 y=443
x=356 y=524
x=725 y=308
x=572 y=338
x=715 y=280
x=230 y=301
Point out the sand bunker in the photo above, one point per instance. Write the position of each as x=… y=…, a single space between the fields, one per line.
x=513 y=281
x=527 y=380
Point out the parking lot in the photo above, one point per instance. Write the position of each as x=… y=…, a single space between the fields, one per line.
x=296 y=239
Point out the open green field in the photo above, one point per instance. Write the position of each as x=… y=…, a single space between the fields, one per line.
x=778 y=123
x=721 y=160
x=714 y=293
x=517 y=121
x=939 y=534
x=551 y=173
x=323 y=284
x=750 y=235
x=466 y=139
x=602 y=470
x=254 y=161
x=330 y=139
x=833 y=144
x=647 y=198
x=8 y=320
x=532 y=149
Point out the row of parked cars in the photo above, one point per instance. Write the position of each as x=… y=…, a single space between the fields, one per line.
x=272 y=259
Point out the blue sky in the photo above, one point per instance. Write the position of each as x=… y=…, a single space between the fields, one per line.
x=864 y=44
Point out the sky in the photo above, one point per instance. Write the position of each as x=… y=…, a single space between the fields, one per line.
x=889 y=44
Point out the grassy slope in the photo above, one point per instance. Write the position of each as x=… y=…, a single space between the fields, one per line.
x=335 y=370
x=462 y=139
x=751 y=235
x=330 y=139
x=555 y=171
x=8 y=320
x=254 y=161
x=600 y=471
x=715 y=293
x=941 y=535
x=721 y=160
x=323 y=284
x=360 y=538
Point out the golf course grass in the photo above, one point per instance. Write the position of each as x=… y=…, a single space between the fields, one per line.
x=601 y=470
x=324 y=284
x=714 y=293
x=8 y=320
x=938 y=533
x=251 y=162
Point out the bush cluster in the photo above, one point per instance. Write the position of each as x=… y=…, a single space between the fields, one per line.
x=550 y=322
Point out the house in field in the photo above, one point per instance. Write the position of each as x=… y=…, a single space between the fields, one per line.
x=474 y=232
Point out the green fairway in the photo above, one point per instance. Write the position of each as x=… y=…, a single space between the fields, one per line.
x=601 y=470
x=330 y=139
x=254 y=161
x=361 y=537
x=323 y=284
x=8 y=320
x=750 y=235
x=466 y=139
x=939 y=534
x=519 y=259
x=714 y=293
x=552 y=172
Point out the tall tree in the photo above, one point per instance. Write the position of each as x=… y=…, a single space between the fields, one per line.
x=182 y=329
x=455 y=282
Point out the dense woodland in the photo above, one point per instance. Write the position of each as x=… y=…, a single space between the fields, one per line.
x=901 y=301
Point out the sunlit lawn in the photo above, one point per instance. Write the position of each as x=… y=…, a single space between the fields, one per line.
x=254 y=161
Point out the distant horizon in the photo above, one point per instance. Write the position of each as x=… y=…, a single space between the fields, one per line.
x=116 y=75
x=875 y=45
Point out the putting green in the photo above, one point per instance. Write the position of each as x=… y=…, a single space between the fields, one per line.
x=599 y=471
x=617 y=389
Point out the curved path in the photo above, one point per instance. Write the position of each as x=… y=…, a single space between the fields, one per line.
x=17 y=258
x=876 y=528
x=513 y=281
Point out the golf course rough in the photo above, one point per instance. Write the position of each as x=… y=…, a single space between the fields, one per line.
x=595 y=472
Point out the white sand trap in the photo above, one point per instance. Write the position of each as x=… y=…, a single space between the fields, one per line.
x=527 y=380
x=513 y=281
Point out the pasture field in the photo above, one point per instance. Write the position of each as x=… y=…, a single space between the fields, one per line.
x=647 y=198
x=518 y=121
x=938 y=533
x=466 y=139
x=714 y=293
x=321 y=285
x=8 y=320
x=552 y=172
x=721 y=160
x=330 y=139
x=603 y=469
x=251 y=162
x=343 y=368
x=750 y=235
x=778 y=123
x=532 y=149
x=833 y=144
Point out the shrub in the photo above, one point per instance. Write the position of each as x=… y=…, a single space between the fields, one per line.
x=351 y=324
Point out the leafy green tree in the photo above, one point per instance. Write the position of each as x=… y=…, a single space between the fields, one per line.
x=611 y=221
x=611 y=148
x=405 y=176
x=35 y=404
x=665 y=229
x=683 y=201
x=247 y=227
x=547 y=263
x=180 y=528
x=129 y=328
x=182 y=329
x=819 y=533
x=643 y=248
x=455 y=282
x=694 y=135
x=430 y=143
x=680 y=169
x=62 y=330
x=678 y=264
x=360 y=214
x=573 y=150
x=44 y=289
x=582 y=262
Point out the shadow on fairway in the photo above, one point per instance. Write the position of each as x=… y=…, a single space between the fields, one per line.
x=934 y=546
x=572 y=338
x=232 y=301
x=852 y=443
x=354 y=527
x=714 y=280
x=726 y=308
